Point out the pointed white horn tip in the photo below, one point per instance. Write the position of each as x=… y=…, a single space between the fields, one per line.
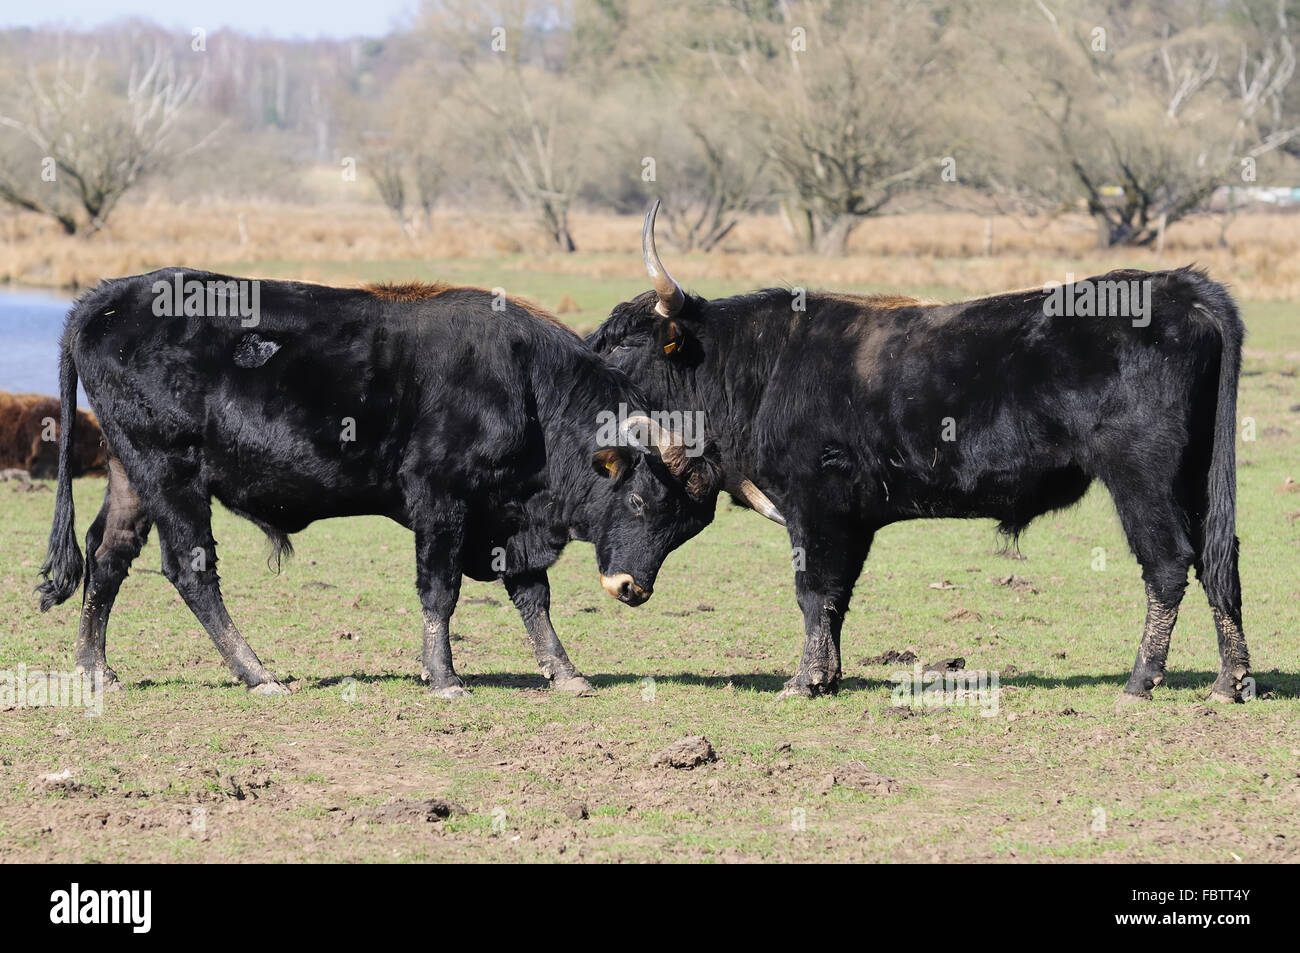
x=758 y=500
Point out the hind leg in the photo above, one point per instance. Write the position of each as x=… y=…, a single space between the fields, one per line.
x=189 y=561
x=114 y=540
x=1234 y=683
x=1156 y=531
x=1222 y=586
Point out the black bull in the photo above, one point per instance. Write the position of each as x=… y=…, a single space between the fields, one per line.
x=468 y=418
x=839 y=415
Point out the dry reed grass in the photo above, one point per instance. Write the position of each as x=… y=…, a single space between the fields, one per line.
x=917 y=250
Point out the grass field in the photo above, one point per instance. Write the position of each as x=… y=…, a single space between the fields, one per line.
x=185 y=766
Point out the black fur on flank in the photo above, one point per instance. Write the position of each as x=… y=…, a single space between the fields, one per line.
x=838 y=413
x=473 y=426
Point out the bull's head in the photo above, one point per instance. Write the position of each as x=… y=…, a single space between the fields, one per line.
x=651 y=338
x=659 y=494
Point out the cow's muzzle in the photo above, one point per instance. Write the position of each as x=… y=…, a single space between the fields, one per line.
x=624 y=588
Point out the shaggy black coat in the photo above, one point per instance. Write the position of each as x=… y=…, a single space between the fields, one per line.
x=467 y=417
x=853 y=412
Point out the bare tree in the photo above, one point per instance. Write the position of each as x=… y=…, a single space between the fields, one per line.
x=845 y=95
x=525 y=99
x=532 y=121
x=385 y=167
x=719 y=177
x=80 y=147
x=430 y=176
x=1141 y=113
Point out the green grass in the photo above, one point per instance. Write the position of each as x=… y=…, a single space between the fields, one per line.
x=1172 y=780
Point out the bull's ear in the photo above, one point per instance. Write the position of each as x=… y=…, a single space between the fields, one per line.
x=703 y=478
x=670 y=337
x=613 y=463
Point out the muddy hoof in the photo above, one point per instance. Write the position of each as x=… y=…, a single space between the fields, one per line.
x=1228 y=697
x=450 y=692
x=797 y=689
x=1130 y=700
x=269 y=688
x=1231 y=688
x=108 y=677
x=574 y=685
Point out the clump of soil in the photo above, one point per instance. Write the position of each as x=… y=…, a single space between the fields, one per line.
x=890 y=657
x=1017 y=584
x=856 y=775
x=963 y=615
x=687 y=753
x=946 y=665
x=61 y=782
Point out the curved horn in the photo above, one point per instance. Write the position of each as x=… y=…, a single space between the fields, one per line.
x=630 y=428
x=671 y=297
x=755 y=497
x=667 y=443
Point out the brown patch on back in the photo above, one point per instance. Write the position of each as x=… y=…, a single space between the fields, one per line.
x=883 y=302
x=407 y=290
x=871 y=331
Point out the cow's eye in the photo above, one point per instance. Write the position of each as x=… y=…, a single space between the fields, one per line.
x=635 y=503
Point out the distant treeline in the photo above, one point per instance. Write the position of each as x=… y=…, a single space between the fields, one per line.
x=827 y=111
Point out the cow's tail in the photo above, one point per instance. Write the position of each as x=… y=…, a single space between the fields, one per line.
x=1219 y=546
x=63 y=563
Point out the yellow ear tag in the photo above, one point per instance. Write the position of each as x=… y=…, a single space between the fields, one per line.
x=670 y=347
x=610 y=467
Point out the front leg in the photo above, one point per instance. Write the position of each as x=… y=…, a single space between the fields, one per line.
x=437 y=551
x=531 y=594
x=827 y=561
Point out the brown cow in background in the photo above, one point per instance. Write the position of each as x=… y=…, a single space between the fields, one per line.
x=23 y=427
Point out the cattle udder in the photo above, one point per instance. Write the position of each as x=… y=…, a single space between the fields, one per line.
x=29 y=438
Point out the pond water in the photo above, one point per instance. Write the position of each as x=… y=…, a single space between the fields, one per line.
x=30 y=324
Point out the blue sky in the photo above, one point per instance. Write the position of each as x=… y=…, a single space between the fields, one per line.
x=279 y=18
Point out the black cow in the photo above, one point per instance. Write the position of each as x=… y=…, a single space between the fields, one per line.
x=470 y=418
x=840 y=414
